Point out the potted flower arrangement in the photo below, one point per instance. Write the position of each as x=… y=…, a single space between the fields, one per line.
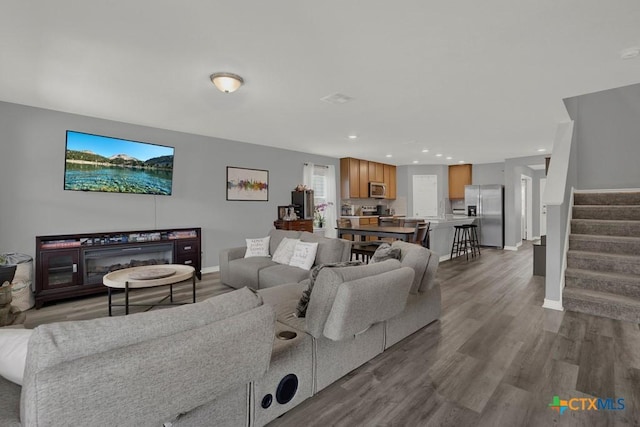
x=319 y=214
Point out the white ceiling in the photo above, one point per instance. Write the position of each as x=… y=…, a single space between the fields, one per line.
x=479 y=81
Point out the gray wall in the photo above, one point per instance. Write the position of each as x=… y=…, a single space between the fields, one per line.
x=488 y=173
x=608 y=137
x=32 y=144
x=514 y=168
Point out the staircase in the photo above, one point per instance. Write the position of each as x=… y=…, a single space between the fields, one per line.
x=603 y=261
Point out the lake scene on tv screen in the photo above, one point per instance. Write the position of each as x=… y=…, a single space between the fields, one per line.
x=100 y=163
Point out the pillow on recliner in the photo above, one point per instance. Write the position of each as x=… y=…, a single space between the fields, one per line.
x=301 y=308
x=384 y=252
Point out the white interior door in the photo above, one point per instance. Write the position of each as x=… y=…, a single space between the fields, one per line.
x=543 y=208
x=425 y=196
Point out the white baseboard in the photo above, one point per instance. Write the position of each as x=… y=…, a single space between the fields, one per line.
x=536 y=238
x=445 y=257
x=213 y=269
x=513 y=248
x=553 y=304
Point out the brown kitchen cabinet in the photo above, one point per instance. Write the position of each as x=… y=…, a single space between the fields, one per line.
x=390 y=181
x=376 y=172
x=355 y=175
x=350 y=178
x=364 y=178
x=459 y=176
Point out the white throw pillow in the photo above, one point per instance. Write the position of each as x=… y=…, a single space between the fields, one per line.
x=257 y=247
x=284 y=252
x=13 y=353
x=304 y=254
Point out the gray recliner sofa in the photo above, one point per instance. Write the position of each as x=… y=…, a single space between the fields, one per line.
x=261 y=272
x=354 y=314
x=183 y=365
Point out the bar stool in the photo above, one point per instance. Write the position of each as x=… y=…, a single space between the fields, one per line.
x=460 y=243
x=474 y=243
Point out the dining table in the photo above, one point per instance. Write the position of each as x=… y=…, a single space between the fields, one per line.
x=401 y=233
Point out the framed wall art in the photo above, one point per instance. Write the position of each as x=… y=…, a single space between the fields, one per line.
x=247 y=184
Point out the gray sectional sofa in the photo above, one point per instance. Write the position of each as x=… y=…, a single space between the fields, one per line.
x=238 y=359
x=183 y=365
x=261 y=272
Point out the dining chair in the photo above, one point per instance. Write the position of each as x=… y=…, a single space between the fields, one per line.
x=359 y=250
x=420 y=234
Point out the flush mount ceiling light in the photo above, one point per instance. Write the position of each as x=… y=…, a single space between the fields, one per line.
x=227 y=82
x=438 y=155
x=425 y=151
x=353 y=136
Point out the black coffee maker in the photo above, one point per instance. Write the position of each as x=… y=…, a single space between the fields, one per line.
x=381 y=210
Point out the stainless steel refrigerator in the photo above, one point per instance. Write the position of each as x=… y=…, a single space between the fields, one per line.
x=487 y=203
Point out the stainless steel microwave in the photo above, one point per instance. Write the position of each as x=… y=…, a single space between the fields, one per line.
x=377 y=190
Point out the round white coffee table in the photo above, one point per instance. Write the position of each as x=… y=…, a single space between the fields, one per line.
x=148 y=276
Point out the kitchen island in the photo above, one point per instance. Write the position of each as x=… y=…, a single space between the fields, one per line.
x=441 y=233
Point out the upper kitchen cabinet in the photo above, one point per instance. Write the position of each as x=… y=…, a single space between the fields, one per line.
x=350 y=178
x=390 y=181
x=355 y=175
x=376 y=172
x=459 y=176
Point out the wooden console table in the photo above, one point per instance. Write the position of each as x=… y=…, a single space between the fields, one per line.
x=298 y=225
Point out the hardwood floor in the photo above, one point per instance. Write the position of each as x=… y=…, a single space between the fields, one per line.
x=496 y=357
x=83 y=308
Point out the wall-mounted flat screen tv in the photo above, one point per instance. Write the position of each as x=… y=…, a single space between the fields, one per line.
x=102 y=163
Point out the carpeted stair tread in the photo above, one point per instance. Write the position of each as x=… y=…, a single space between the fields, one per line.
x=608 y=198
x=617 y=283
x=602 y=304
x=605 y=262
x=604 y=243
x=611 y=212
x=605 y=227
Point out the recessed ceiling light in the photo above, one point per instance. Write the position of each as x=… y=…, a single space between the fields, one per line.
x=425 y=151
x=415 y=161
x=449 y=157
x=540 y=150
x=460 y=161
x=388 y=155
x=353 y=137
x=629 y=53
x=438 y=155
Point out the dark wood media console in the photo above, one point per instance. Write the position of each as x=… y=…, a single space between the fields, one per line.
x=73 y=265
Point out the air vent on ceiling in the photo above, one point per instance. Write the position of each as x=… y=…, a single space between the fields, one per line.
x=337 y=98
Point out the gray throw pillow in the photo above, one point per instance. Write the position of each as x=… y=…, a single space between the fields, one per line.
x=384 y=252
x=301 y=309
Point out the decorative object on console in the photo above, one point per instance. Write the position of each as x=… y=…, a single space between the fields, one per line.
x=247 y=184
x=106 y=164
x=257 y=247
x=319 y=214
